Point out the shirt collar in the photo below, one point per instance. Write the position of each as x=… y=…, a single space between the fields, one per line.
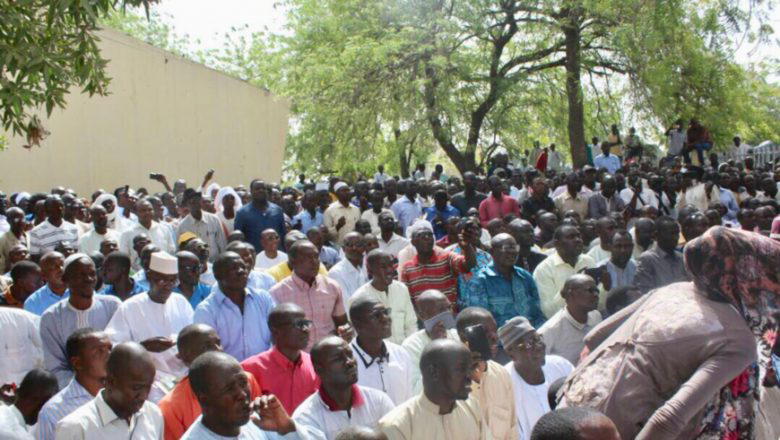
x=367 y=359
x=578 y=325
x=283 y=361
x=427 y=405
x=298 y=281
x=105 y=413
x=357 y=399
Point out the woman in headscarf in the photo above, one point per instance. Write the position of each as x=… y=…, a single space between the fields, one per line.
x=655 y=368
x=227 y=203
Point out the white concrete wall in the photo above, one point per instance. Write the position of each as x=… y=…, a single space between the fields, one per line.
x=164 y=114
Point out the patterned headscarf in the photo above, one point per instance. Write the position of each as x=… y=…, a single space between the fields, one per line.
x=741 y=267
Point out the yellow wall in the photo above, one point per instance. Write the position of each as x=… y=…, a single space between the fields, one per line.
x=164 y=114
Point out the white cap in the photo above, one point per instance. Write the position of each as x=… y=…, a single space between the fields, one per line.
x=321 y=186
x=339 y=185
x=164 y=263
x=418 y=225
x=73 y=258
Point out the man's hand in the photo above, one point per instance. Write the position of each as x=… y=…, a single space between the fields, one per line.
x=8 y=393
x=269 y=415
x=209 y=175
x=158 y=344
x=606 y=280
x=340 y=224
x=345 y=332
x=439 y=331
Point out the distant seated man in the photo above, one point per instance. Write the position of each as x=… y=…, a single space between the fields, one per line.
x=339 y=402
x=564 y=333
x=270 y=256
x=54 y=290
x=223 y=391
x=350 y=273
x=190 y=285
x=286 y=370
x=180 y=407
x=284 y=269
x=16 y=421
x=443 y=410
x=87 y=351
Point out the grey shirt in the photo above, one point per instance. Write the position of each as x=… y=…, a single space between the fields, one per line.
x=599 y=206
x=209 y=229
x=656 y=268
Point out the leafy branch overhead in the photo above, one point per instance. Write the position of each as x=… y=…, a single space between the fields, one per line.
x=47 y=47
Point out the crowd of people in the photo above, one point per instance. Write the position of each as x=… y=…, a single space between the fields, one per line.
x=625 y=299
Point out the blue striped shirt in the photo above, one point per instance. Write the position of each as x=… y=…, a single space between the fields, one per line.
x=42 y=299
x=63 y=403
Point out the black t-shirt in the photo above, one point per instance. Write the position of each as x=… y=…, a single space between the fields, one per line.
x=464 y=203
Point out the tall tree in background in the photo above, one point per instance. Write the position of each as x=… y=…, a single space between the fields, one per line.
x=47 y=47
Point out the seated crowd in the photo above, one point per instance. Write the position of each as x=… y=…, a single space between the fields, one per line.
x=421 y=308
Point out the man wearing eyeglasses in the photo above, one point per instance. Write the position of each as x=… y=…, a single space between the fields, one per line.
x=382 y=365
x=564 y=333
x=285 y=370
x=189 y=279
x=504 y=289
x=531 y=370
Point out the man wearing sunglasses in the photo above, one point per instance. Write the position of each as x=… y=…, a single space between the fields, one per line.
x=189 y=279
x=285 y=370
x=531 y=370
x=382 y=365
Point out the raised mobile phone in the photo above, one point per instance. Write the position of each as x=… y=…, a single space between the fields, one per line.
x=445 y=317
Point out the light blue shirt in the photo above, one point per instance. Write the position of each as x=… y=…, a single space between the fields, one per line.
x=242 y=335
x=138 y=287
x=621 y=277
x=61 y=320
x=63 y=403
x=259 y=280
x=307 y=222
x=250 y=431
x=406 y=211
x=611 y=163
x=200 y=293
x=42 y=299
x=726 y=198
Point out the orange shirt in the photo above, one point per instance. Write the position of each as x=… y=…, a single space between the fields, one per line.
x=180 y=407
x=8 y=300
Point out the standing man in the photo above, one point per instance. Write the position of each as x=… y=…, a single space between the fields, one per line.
x=675 y=139
x=319 y=296
x=468 y=198
x=82 y=309
x=443 y=410
x=120 y=409
x=90 y=242
x=341 y=215
x=380 y=176
x=497 y=205
x=340 y=402
x=159 y=234
x=285 y=369
x=151 y=318
x=350 y=273
x=53 y=231
x=555 y=160
x=607 y=160
x=382 y=365
x=254 y=218
x=205 y=225
x=503 y=288
x=17 y=234
x=238 y=314
x=407 y=209
x=553 y=272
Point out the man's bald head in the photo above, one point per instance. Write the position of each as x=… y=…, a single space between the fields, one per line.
x=130 y=375
x=446 y=366
x=128 y=356
x=282 y=312
x=196 y=339
x=430 y=303
x=207 y=366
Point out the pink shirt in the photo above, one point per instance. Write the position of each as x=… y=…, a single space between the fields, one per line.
x=491 y=208
x=291 y=382
x=321 y=302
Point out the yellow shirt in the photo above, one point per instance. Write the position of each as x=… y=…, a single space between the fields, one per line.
x=419 y=418
x=497 y=400
x=550 y=275
x=282 y=271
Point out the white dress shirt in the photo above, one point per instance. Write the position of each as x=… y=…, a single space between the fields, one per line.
x=414 y=345
x=401 y=309
x=21 y=349
x=249 y=431
x=264 y=262
x=90 y=242
x=392 y=246
x=139 y=318
x=97 y=421
x=12 y=424
x=391 y=372
x=565 y=336
x=320 y=423
x=348 y=277
x=160 y=234
x=373 y=218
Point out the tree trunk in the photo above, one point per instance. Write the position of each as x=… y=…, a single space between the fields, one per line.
x=576 y=123
x=404 y=158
